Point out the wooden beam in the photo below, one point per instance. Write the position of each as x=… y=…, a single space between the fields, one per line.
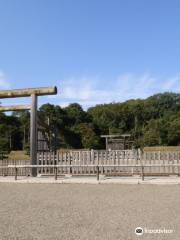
x=14 y=108
x=115 y=135
x=27 y=92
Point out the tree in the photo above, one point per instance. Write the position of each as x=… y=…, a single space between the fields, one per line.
x=174 y=132
x=89 y=138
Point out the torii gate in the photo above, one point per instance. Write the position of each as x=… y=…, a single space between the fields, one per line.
x=33 y=93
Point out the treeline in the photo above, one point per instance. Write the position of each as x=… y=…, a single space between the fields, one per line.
x=151 y=122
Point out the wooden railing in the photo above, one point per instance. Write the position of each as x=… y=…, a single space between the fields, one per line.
x=97 y=167
x=110 y=163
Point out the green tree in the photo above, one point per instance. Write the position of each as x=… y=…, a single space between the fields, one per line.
x=89 y=138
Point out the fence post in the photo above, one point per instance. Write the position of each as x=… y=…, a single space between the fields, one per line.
x=140 y=155
x=55 y=170
x=70 y=161
x=98 y=172
x=142 y=173
x=16 y=171
x=93 y=159
x=98 y=165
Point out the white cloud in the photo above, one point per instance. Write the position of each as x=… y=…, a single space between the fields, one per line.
x=93 y=90
x=3 y=81
x=172 y=83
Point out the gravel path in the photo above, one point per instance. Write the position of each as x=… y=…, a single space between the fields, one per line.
x=70 y=211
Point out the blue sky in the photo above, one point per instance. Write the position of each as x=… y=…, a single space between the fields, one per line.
x=95 y=51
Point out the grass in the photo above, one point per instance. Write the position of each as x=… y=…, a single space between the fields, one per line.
x=18 y=155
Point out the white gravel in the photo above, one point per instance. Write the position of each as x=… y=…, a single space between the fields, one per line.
x=87 y=211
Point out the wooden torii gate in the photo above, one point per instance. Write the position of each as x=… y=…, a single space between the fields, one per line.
x=33 y=93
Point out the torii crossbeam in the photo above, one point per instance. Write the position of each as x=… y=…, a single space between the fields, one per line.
x=33 y=93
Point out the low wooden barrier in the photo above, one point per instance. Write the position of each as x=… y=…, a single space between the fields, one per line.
x=97 y=167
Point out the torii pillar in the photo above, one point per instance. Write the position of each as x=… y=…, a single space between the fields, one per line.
x=33 y=133
x=33 y=93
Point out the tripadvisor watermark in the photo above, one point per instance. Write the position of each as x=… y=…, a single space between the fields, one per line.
x=140 y=231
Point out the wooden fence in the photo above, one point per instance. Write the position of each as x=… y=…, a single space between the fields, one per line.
x=161 y=158
x=114 y=157
x=100 y=157
x=93 y=157
x=11 y=171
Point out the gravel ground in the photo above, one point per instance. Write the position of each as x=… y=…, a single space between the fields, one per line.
x=72 y=211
